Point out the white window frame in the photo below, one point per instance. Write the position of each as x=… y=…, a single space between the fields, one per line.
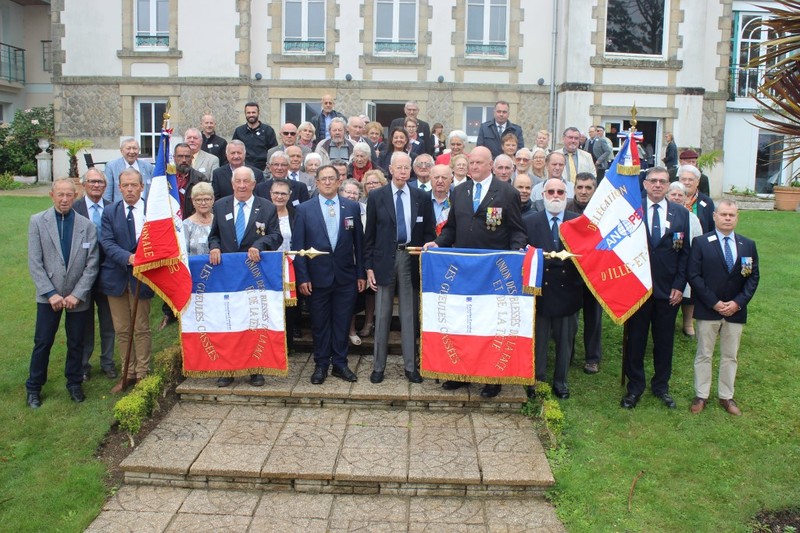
x=160 y=38
x=738 y=68
x=396 y=47
x=304 y=44
x=486 y=48
x=155 y=117
x=304 y=116
x=487 y=113
x=664 y=39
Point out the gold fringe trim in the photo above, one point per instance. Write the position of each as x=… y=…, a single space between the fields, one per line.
x=290 y=302
x=289 y=285
x=276 y=372
x=177 y=312
x=625 y=170
x=532 y=291
x=156 y=264
x=514 y=380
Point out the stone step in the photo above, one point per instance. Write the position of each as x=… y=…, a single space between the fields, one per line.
x=179 y=509
x=342 y=451
x=305 y=342
x=395 y=391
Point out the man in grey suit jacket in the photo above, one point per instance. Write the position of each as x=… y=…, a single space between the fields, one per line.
x=201 y=161
x=63 y=261
x=130 y=153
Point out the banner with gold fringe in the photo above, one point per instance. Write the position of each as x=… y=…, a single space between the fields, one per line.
x=477 y=319
x=234 y=324
x=611 y=240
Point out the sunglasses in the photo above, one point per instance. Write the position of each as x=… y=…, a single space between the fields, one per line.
x=289 y=133
x=556 y=192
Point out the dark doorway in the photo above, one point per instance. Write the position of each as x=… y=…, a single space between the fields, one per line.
x=386 y=112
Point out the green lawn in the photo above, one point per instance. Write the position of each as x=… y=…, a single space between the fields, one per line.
x=50 y=479
x=710 y=472
x=706 y=472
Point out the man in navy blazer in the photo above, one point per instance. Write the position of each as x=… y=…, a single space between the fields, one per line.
x=398 y=216
x=329 y=223
x=235 y=152
x=668 y=245
x=492 y=131
x=130 y=159
x=122 y=224
x=91 y=206
x=279 y=170
x=723 y=273
x=562 y=288
x=260 y=232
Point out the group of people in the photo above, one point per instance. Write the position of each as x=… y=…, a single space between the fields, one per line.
x=334 y=185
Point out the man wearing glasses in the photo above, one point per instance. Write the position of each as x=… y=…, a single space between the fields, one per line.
x=279 y=169
x=562 y=288
x=422 y=170
x=288 y=138
x=667 y=225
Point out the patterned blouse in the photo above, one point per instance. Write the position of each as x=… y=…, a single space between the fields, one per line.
x=196 y=237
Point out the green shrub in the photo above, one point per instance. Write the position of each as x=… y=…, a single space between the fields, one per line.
x=130 y=412
x=28 y=169
x=19 y=140
x=7 y=182
x=149 y=388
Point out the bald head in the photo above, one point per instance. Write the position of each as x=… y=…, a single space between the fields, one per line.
x=480 y=163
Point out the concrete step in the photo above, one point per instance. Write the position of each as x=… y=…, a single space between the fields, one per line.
x=140 y=508
x=395 y=391
x=342 y=451
x=305 y=343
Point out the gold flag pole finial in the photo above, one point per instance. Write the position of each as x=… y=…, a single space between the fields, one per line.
x=634 y=112
x=311 y=253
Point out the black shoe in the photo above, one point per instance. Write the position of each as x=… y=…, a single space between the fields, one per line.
x=453 y=385
x=319 y=375
x=490 y=391
x=413 y=376
x=297 y=334
x=34 y=400
x=376 y=377
x=76 y=393
x=629 y=401
x=530 y=391
x=224 y=382
x=667 y=400
x=343 y=372
x=110 y=373
x=257 y=380
x=561 y=394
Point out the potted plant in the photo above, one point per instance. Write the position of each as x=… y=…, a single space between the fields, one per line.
x=73 y=148
x=787 y=196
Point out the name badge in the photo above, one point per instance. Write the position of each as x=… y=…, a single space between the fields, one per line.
x=666 y=224
x=703 y=203
x=202 y=169
x=183 y=191
x=419 y=219
x=229 y=216
x=87 y=245
x=712 y=238
x=348 y=223
x=296 y=203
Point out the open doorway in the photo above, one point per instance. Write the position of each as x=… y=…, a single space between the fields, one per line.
x=648 y=129
x=386 y=112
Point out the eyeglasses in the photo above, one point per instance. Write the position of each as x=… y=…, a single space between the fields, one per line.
x=327 y=179
x=556 y=192
x=202 y=200
x=423 y=165
x=279 y=194
x=523 y=159
x=95 y=182
x=368 y=183
x=658 y=182
x=404 y=167
x=289 y=133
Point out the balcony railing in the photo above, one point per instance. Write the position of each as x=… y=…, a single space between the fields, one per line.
x=12 y=63
x=744 y=82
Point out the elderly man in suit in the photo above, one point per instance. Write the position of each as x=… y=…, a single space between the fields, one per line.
x=411 y=110
x=466 y=225
x=602 y=152
x=221 y=177
x=91 y=206
x=322 y=121
x=562 y=288
x=296 y=158
x=398 y=216
x=201 y=161
x=130 y=159
x=668 y=240
x=723 y=273
x=492 y=131
x=279 y=171
x=62 y=259
x=577 y=160
x=330 y=223
x=122 y=224
x=243 y=222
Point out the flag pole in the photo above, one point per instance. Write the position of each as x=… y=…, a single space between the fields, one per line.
x=625 y=332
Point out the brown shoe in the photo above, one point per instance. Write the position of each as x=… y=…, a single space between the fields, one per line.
x=698 y=404
x=116 y=389
x=731 y=407
x=591 y=368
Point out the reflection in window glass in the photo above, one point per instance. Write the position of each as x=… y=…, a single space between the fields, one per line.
x=474 y=116
x=635 y=27
x=768 y=161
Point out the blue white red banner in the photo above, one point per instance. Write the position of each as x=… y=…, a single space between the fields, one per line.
x=477 y=319
x=234 y=323
x=610 y=239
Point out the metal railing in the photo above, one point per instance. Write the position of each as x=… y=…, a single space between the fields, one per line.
x=12 y=63
x=744 y=82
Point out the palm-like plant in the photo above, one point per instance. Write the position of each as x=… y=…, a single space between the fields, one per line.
x=73 y=147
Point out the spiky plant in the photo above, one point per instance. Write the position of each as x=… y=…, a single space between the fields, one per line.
x=73 y=147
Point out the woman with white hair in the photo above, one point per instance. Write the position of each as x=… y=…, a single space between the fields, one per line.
x=311 y=163
x=457 y=140
x=360 y=163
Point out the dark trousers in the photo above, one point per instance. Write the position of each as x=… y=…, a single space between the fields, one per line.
x=658 y=315
x=562 y=329
x=99 y=302
x=331 y=309
x=592 y=327
x=47 y=323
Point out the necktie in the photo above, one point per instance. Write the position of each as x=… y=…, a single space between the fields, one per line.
x=423 y=186
x=330 y=222
x=556 y=237
x=728 y=254
x=293 y=175
x=476 y=197
x=499 y=130
x=402 y=233
x=655 y=227
x=239 y=225
x=572 y=170
x=131 y=224
x=96 y=219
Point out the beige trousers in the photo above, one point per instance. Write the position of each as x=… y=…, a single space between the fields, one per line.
x=121 y=309
x=729 y=336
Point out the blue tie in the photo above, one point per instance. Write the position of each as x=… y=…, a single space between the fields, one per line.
x=728 y=254
x=655 y=227
x=131 y=224
x=402 y=233
x=96 y=219
x=239 y=225
x=330 y=222
x=556 y=237
x=476 y=198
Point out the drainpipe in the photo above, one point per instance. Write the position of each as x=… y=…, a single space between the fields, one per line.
x=551 y=119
